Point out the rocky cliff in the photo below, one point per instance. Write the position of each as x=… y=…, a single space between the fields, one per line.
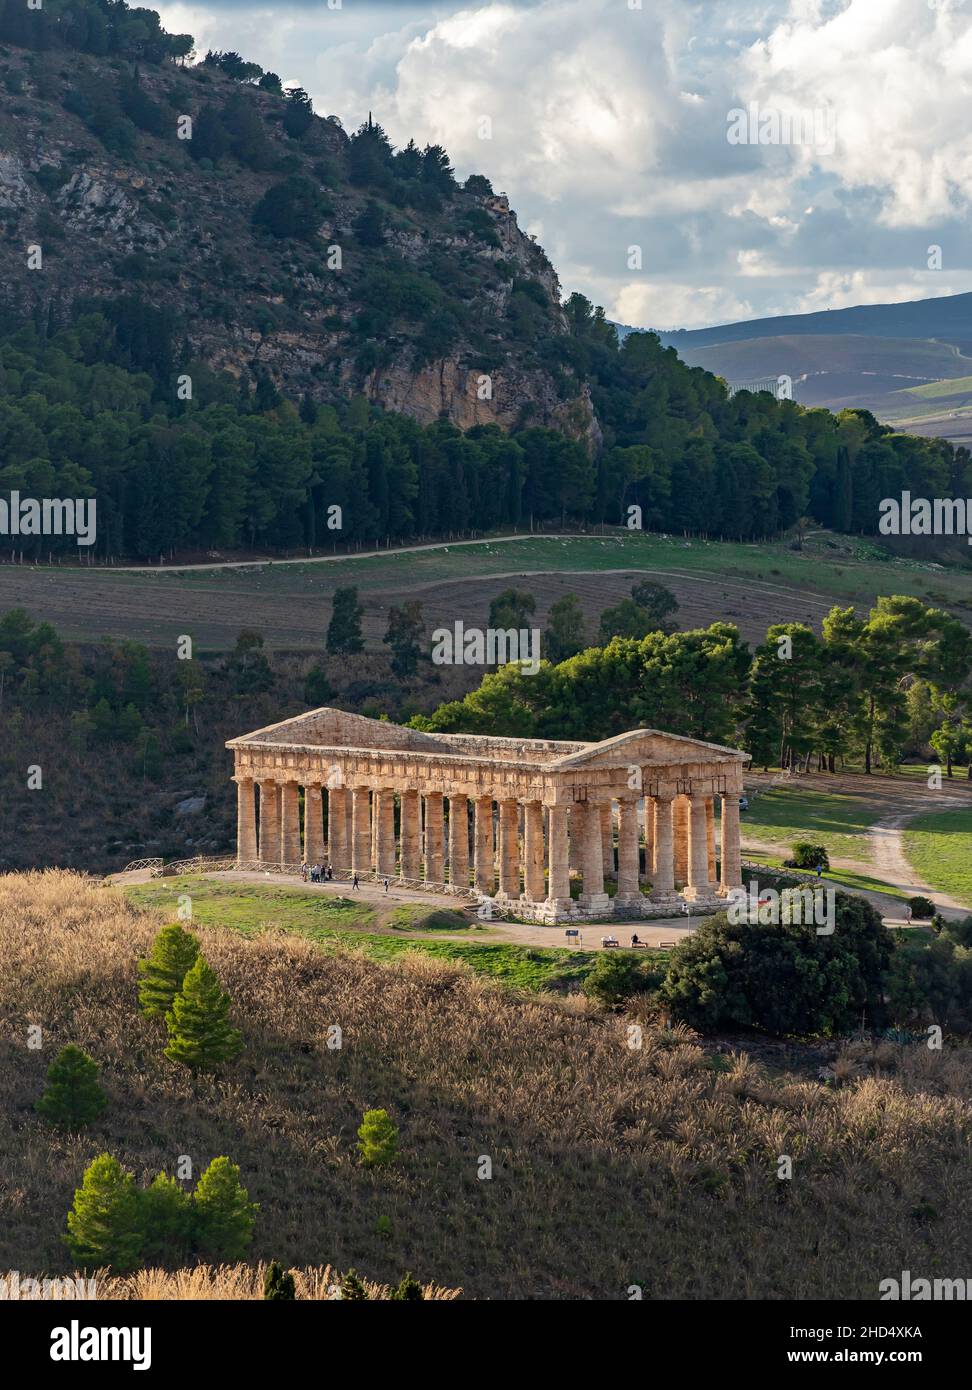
x=424 y=295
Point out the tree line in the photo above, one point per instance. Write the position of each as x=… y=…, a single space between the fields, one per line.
x=872 y=689
x=85 y=412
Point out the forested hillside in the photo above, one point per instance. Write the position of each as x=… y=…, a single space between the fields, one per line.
x=272 y=333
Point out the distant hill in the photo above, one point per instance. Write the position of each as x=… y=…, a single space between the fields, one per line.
x=875 y=356
x=947 y=317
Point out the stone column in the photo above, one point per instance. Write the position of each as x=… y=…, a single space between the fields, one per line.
x=681 y=832
x=246 y=831
x=664 y=880
x=698 y=877
x=313 y=825
x=434 y=843
x=558 y=861
x=606 y=811
x=710 y=838
x=338 y=849
x=269 y=823
x=360 y=830
x=593 y=853
x=628 y=857
x=411 y=834
x=534 y=887
x=290 y=824
x=649 y=817
x=384 y=817
x=459 y=841
x=509 y=849
x=483 y=848
x=731 y=869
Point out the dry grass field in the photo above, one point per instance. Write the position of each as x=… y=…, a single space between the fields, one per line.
x=239 y=1283
x=611 y=1165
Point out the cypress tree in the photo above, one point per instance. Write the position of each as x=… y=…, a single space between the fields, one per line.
x=174 y=952
x=103 y=1225
x=344 y=629
x=224 y=1213
x=200 y=1034
x=73 y=1097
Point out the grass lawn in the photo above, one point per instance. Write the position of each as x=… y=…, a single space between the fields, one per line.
x=340 y=923
x=939 y=846
x=249 y=907
x=839 y=823
x=841 y=878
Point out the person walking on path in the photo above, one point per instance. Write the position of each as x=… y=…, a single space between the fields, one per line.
x=386 y=885
x=354 y=882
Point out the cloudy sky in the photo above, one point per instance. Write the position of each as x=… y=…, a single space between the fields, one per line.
x=608 y=123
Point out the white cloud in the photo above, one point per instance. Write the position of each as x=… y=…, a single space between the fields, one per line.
x=609 y=129
x=663 y=305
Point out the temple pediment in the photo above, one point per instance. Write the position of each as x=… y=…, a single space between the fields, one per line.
x=641 y=747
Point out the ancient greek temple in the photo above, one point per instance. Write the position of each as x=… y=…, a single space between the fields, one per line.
x=520 y=821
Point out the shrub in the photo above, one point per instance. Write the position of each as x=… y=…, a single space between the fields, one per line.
x=278 y=1285
x=73 y=1097
x=103 y=1224
x=809 y=856
x=352 y=1287
x=409 y=1290
x=959 y=932
x=318 y=690
x=921 y=907
x=173 y=955
x=783 y=977
x=200 y=1034
x=378 y=1138
x=616 y=976
x=931 y=983
x=225 y=1215
x=293 y=208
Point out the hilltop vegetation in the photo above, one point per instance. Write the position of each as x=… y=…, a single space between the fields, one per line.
x=217 y=321
x=611 y=1165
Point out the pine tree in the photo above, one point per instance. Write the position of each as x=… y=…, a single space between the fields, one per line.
x=378 y=1138
x=409 y=1290
x=352 y=1288
x=103 y=1225
x=174 y=952
x=344 y=629
x=200 y=1034
x=404 y=636
x=73 y=1097
x=224 y=1213
x=165 y=1217
x=278 y=1286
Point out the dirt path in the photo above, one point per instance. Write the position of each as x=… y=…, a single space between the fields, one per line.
x=891 y=864
x=897 y=801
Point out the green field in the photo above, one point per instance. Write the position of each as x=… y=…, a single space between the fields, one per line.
x=343 y=924
x=858 y=566
x=841 y=878
x=785 y=814
x=939 y=846
x=954 y=386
